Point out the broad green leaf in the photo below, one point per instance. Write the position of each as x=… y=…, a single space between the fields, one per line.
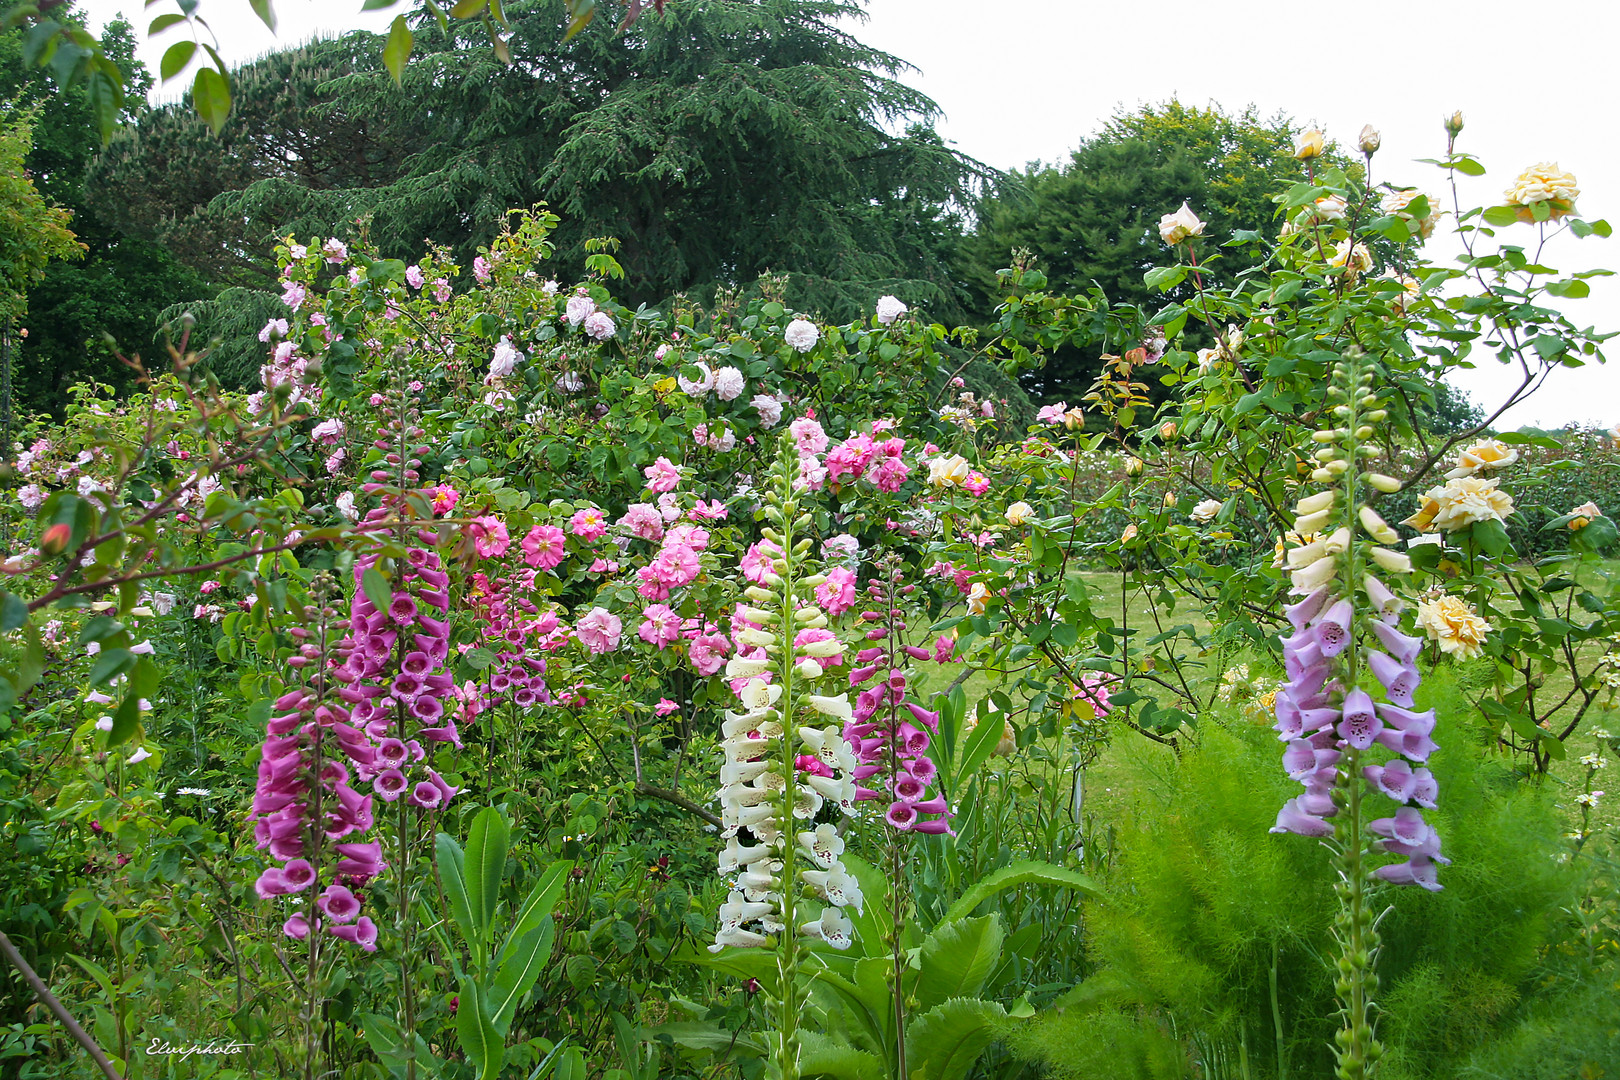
x=873 y=920
x=705 y=1035
x=542 y=898
x=376 y=588
x=176 y=57
x=163 y=22
x=957 y=958
x=521 y=963
x=397 y=49
x=485 y=867
x=945 y=1042
x=1024 y=872
x=466 y=9
x=211 y=97
x=13 y=611
x=108 y=663
x=451 y=862
x=483 y=1045
x=826 y=1057
x=126 y=719
x=265 y=12
x=1501 y=215
x=981 y=743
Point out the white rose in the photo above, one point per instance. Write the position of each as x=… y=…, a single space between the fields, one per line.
x=1176 y=227
x=801 y=334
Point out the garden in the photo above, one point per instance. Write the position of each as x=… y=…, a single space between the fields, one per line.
x=526 y=670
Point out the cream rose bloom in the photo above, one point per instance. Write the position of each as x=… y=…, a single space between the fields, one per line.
x=1309 y=144
x=978 y=598
x=1461 y=503
x=1176 y=227
x=1487 y=454
x=1019 y=512
x=1347 y=253
x=1543 y=182
x=1330 y=208
x=945 y=472
x=1454 y=624
x=1205 y=512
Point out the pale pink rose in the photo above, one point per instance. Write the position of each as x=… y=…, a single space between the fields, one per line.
x=769 y=409
x=665 y=707
x=809 y=435
x=643 y=520
x=329 y=432
x=801 y=334
x=662 y=475
x=578 y=309
x=600 y=325
x=599 y=630
x=708 y=653
x=1053 y=414
x=660 y=626
x=756 y=562
x=729 y=383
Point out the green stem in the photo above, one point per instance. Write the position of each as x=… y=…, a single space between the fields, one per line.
x=787 y=953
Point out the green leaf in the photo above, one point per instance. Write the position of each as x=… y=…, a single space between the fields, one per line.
x=521 y=963
x=466 y=9
x=376 y=588
x=176 y=57
x=1501 y=215
x=1023 y=872
x=265 y=12
x=485 y=867
x=478 y=659
x=397 y=50
x=1491 y=536
x=451 y=861
x=981 y=743
x=476 y=1033
x=13 y=611
x=822 y=1056
x=945 y=1042
x=706 y=1035
x=542 y=899
x=957 y=958
x=163 y=22
x=211 y=97
x=108 y=663
x=125 y=720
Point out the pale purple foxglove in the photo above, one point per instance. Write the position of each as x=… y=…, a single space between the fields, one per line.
x=1400 y=680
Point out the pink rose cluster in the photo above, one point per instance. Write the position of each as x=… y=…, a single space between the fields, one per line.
x=863 y=456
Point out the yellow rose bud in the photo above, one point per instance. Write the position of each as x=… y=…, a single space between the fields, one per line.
x=1134 y=466
x=1454 y=123
x=1129 y=534
x=1370 y=140
x=1168 y=432
x=1019 y=512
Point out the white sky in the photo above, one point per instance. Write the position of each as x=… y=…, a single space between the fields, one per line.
x=1028 y=81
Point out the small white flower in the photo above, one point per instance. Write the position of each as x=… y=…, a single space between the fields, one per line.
x=801 y=334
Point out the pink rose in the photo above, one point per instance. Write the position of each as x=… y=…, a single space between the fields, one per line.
x=660 y=626
x=708 y=653
x=489 y=536
x=662 y=475
x=588 y=524
x=599 y=630
x=545 y=547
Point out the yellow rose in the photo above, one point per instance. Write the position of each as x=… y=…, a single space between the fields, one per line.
x=1543 y=182
x=1461 y=503
x=1488 y=454
x=1019 y=512
x=978 y=598
x=1309 y=145
x=1129 y=534
x=1584 y=515
x=1205 y=512
x=1453 y=623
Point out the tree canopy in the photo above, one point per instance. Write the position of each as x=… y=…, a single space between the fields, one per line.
x=724 y=140
x=1094 y=220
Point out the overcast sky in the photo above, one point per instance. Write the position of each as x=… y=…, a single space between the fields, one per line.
x=1027 y=81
